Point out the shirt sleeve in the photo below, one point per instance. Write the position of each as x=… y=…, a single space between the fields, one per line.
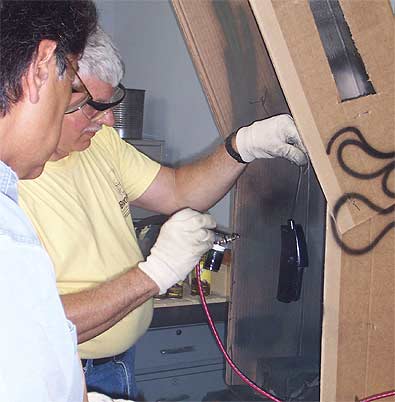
x=137 y=170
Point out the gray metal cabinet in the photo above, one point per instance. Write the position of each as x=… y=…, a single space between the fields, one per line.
x=179 y=363
x=152 y=148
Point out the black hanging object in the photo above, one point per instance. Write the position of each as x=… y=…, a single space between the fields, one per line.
x=292 y=262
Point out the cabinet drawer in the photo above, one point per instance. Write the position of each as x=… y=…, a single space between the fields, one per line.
x=178 y=385
x=176 y=347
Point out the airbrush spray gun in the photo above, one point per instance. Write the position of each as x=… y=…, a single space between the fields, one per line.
x=211 y=262
x=213 y=258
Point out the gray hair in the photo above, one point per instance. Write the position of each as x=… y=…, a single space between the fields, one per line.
x=102 y=59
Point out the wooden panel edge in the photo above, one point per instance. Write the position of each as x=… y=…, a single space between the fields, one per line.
x=179 y=12
x=330 y=322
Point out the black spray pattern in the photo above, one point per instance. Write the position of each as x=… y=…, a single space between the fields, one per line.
x=385 y=172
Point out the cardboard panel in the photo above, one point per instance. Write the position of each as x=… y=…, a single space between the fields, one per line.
x=359 y=310
x=358 y=328
x=294 y=44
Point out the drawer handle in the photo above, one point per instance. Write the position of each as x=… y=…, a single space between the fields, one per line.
x=174 y=351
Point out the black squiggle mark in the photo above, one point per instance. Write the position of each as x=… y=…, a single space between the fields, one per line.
x=364 y=146
x=385 y=172
x=358 y=251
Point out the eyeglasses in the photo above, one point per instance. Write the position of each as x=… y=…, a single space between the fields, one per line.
x=94 y=110
x=80 y=97
x=83 y=100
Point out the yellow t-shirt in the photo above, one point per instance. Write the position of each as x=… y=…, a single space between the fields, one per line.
x=79 y=207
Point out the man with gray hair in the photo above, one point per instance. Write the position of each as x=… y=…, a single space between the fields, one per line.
x=79 y=207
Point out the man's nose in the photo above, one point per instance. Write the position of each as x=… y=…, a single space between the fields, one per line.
x=108 y=118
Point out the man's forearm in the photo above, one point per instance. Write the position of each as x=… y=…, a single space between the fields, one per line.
x=198 y=185
x=201 y=184
x=95 y=310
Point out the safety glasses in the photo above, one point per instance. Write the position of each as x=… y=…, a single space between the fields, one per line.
x=82 y=99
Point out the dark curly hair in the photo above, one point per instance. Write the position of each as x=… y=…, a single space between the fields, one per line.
x=24 y=24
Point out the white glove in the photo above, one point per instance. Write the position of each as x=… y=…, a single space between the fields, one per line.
x=270 y=138
x=182 y=240
x=96 y=397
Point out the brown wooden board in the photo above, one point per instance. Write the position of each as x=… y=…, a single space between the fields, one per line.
x=231 y=61
x=241 y=86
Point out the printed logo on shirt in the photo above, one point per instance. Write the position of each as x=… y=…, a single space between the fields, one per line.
x=120 y=193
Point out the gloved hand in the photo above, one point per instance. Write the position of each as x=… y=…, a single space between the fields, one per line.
x=270 y=138
x=182 y=240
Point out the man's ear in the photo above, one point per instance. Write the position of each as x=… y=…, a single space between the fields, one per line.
x=38 y=71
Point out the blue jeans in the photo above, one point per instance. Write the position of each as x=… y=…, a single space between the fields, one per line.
x=114 y=378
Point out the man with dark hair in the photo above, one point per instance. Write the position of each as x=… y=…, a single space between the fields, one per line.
x=24 y=24
x=40 y=43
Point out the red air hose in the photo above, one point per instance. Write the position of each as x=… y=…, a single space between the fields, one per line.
x=236 y=369
x=221 y=346
x=378 y=396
